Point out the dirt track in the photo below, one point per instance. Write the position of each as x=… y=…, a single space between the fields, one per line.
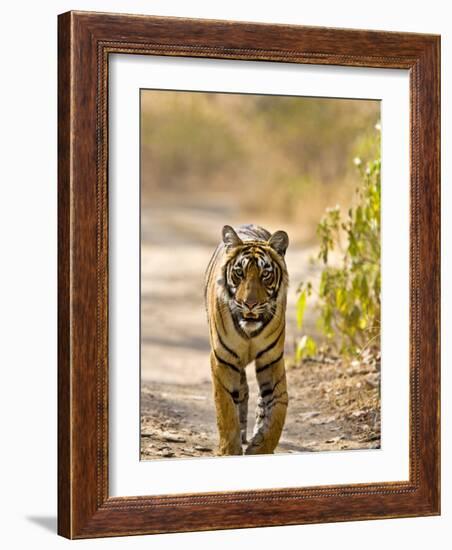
x=328 y=410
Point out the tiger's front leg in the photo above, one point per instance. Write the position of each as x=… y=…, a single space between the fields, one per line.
x=271 y=407
x=226 y=386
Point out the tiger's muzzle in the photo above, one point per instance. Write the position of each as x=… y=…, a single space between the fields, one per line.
x=252 y=311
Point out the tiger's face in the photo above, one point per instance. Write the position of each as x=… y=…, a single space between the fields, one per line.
x=254 y=276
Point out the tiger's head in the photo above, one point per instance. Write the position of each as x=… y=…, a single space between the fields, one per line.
x=255 y=278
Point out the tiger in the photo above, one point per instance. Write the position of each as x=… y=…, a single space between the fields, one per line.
x=246 y=286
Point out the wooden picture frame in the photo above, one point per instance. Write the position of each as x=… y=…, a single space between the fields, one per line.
x=85 y=42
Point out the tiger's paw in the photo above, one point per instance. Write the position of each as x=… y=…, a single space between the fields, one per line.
x=230 y=449
x=258 y=450
x=258 y=446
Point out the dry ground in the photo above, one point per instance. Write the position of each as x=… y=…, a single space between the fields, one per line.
x=332 y=407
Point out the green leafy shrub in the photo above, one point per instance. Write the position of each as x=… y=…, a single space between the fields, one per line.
x=348 y=295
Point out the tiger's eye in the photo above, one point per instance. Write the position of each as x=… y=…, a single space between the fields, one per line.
x=266 y=273
x=238 y=272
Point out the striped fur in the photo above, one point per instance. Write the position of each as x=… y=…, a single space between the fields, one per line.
x=245 y=292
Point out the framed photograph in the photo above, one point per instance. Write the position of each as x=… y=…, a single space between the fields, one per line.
x=248 y=275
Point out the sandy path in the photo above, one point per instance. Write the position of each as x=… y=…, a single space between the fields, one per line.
x=328 y=410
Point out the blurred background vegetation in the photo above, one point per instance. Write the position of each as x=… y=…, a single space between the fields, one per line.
x=286 y=157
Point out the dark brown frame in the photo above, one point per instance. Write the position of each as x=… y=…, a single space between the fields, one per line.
x=85 y=41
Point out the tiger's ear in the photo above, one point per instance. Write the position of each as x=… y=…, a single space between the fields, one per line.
x=279 y=241
x=230 y=237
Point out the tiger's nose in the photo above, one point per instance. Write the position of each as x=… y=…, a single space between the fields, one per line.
x=250 y=303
